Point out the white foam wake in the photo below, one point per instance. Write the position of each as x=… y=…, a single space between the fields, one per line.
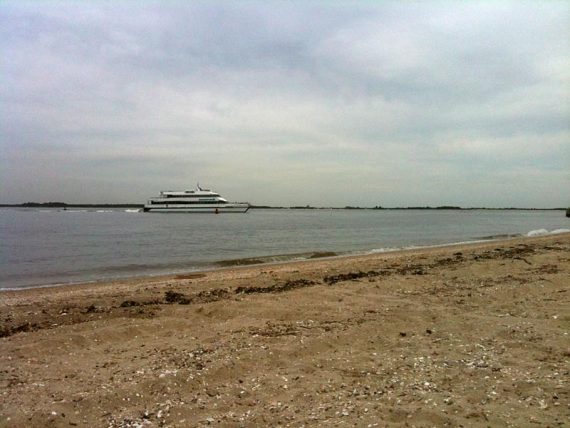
x=544 y=232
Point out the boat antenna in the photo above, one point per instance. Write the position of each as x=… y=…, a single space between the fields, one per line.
x=198 y=186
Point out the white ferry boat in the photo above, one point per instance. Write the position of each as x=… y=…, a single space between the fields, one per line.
x=193 y=201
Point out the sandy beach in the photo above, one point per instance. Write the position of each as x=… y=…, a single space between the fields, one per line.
x=470 y=335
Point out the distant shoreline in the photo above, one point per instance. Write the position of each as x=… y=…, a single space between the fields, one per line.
x=66 y=205
x=259 y=207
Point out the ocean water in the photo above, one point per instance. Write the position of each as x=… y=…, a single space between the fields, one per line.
x=48 y=246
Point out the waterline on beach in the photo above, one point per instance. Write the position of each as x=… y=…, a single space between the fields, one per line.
x=275 y=260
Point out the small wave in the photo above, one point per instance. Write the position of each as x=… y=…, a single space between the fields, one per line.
x=499 y=236
x=544 y=232
x=421 y=247
x=385 y=250
x=49 y=285
x=104 y=211
x=276 y=258
x=132 y=211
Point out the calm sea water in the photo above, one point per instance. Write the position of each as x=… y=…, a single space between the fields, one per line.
x=48 y=246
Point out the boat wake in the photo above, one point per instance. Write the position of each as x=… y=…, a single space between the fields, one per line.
x=544 y=232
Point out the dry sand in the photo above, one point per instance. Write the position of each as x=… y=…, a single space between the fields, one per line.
x=474 y=335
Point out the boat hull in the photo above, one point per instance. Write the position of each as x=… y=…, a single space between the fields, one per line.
x=194 y=209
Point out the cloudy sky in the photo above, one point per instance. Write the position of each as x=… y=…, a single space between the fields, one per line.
x=287 y=102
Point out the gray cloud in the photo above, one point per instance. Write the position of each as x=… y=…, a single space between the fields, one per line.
x=287 y=102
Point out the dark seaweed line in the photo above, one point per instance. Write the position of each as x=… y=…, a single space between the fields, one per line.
x=216 y=294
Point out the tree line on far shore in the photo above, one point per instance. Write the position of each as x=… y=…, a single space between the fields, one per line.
x=303 y=207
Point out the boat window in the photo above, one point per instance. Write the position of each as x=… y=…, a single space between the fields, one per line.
x=213 y=195
x=187 y=202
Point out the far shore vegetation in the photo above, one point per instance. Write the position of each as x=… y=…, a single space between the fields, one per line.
x=64 y=205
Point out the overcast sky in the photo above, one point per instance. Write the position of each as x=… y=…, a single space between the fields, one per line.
x=287 y=102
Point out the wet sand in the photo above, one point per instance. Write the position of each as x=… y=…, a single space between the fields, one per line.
x=471 y=335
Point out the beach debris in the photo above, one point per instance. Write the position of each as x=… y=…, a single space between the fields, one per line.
x=279 y=288
x=22 y=328
x=212 y=295
x=272 y=329
x=129 y=304
x=515 y=253
x=351 y=276
x=190 y=276
x=91 y=308
x=174 y=297
x=167 y=373
x=548 y=269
